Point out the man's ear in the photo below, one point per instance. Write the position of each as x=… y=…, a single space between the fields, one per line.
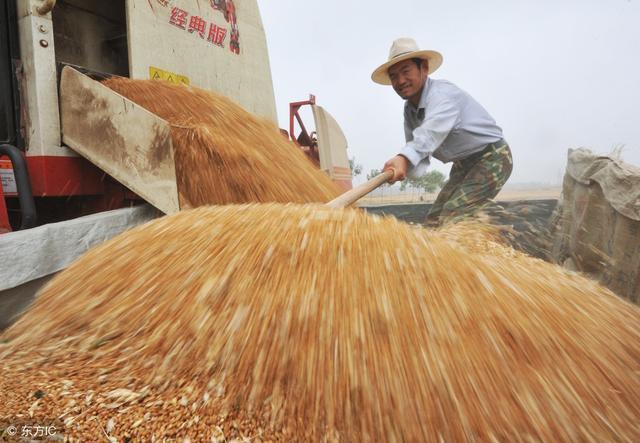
x=425 y=65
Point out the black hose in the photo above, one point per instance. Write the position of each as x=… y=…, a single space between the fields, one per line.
x=23 y=185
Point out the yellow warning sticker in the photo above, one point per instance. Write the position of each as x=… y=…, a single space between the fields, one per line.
x=172 y=77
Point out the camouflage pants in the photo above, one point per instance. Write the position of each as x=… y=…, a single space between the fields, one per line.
x=472 y=183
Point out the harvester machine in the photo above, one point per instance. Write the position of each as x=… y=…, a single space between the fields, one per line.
x=75 y=157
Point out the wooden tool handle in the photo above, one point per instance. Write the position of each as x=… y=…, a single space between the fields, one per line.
x=353 y=195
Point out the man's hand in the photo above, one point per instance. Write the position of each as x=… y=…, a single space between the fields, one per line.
x=399 y=164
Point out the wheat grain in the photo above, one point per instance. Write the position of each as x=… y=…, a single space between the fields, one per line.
x=299 y=322
x=224 y=154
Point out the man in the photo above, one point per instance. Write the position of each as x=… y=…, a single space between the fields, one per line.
x=443 y=121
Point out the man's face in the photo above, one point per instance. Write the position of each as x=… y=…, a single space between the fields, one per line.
x=407 y=79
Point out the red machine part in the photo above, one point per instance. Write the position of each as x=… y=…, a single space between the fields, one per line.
x=64 y=176
x=307 y=141
x=92 y=189
x=87 y=189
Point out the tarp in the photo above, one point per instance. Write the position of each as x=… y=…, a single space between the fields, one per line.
x=597 y=224
x=34 y=253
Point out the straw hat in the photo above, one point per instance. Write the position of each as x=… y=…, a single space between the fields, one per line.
x=404 y=49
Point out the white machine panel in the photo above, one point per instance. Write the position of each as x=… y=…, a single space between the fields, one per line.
x=332 y=145
x=219 y=45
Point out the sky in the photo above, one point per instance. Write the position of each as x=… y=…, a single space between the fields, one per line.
x=555 y=75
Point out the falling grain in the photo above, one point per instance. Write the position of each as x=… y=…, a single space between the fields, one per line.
x=224 y=154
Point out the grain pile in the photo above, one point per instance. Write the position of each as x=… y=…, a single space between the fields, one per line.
x=224 y=154
x=298 y=322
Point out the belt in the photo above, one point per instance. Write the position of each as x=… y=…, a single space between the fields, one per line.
x=476 y=155
x=495 y=145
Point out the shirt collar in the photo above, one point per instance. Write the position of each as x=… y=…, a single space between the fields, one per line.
x=423 y=98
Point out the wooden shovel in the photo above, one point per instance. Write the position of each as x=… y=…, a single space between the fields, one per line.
x=353 y=195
